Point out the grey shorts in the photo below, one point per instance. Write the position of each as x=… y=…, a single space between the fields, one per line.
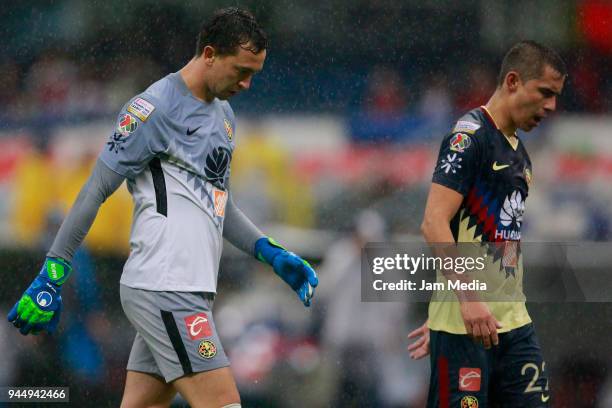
x=175 y=332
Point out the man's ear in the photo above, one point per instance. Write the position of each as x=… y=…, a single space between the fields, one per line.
x=512 y=81
x=209 y=54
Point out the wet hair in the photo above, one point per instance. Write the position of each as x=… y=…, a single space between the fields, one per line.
x=230 y=28
x=529 y=58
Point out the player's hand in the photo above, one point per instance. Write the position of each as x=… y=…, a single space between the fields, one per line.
x=291 y=268
x=420 y=348
x=480 y=324
x=40 y=305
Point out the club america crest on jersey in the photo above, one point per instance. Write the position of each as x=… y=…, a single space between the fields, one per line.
x=528 y=175
x=228 y=129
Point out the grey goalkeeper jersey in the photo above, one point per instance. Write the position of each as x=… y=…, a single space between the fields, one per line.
x=175 y=153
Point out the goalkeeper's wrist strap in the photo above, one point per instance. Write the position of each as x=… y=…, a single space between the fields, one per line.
x=57 y=270
x=266 y=249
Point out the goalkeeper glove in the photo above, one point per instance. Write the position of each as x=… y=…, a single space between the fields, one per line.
x=291 y=268
x=40 y=305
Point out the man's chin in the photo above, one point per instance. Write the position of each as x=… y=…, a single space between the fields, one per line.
x=527 y=127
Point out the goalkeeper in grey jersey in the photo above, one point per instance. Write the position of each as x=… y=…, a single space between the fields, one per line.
x=173 y=145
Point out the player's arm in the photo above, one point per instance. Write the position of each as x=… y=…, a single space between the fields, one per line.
x=130 y=148
x=442 y=205
x=455 y=172
x=40 y=306
x=243 y=234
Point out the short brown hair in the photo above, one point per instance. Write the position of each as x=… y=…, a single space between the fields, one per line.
x=529 y=58
x=230 y=28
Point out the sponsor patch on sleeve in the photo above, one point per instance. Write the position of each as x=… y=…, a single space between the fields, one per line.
x=465 y=126
x=220 y=199
x=460 y=142
x=141 y=108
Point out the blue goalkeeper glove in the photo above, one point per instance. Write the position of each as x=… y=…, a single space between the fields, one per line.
x=291 y=268
x=40 y=305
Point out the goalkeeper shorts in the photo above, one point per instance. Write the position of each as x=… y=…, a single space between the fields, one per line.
x=175 y=332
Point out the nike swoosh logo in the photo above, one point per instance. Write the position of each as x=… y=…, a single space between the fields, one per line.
x=191 y=132
x=544 y=398
x=499 y=166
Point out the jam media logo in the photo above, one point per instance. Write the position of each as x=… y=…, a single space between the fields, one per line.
x=198 y=326
x=44 y=299
x=469 y=379
x=207 y=349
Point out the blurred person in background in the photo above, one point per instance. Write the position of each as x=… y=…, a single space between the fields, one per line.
x=486 y=353
x=81 y=342
x=173 y=144
x=360 y=339
x=32 y=175
x=265 y=181
x=480 y=85
x=384 y=115
x=435 y=105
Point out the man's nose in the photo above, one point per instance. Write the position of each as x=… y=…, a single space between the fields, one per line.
x=551 y=104
x=245 y=83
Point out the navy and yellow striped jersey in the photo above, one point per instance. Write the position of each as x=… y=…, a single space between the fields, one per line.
x=493 y=173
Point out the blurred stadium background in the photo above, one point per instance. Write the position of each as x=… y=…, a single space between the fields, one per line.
x=346 y=116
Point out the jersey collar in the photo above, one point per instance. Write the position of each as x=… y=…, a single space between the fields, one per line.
x=512 y=140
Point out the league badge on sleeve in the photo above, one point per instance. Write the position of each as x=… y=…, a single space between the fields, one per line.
x=141 y=108
x=460 y=142
x=127 y=124
x=466 y=127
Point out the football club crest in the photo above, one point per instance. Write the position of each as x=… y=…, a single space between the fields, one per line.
x=469 y=401
x=228 y=129
x=528 y=175
x=460 y=142
x=208 y=350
